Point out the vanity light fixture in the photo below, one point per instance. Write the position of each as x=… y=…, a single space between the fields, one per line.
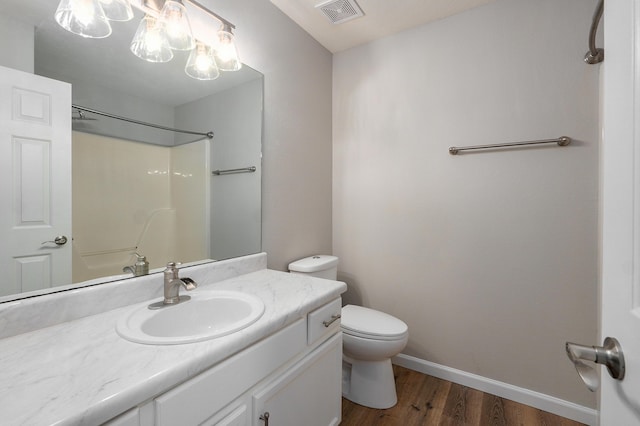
x=164 y=28
x=150 y=42
x=85 y=18
x=202 y=64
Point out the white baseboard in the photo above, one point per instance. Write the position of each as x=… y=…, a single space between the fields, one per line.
x=537 y=400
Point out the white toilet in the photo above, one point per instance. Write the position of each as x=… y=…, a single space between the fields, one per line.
x=370 y=338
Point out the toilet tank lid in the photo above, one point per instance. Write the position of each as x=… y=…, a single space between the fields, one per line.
x=314 y=263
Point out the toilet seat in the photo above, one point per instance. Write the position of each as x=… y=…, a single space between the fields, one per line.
x=371 y=324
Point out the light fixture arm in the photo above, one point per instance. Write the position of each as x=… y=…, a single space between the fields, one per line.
x=213 y=14
x=156 y=5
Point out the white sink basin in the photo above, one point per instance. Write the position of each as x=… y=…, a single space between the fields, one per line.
x=206 y=316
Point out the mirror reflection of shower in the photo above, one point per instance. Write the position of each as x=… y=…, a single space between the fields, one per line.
x=131 y=197
x=162 y=200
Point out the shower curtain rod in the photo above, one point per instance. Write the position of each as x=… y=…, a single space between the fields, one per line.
x=141 y=123
x=595 y=55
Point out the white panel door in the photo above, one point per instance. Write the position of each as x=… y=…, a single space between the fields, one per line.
x=620 y=400
x=35 y=182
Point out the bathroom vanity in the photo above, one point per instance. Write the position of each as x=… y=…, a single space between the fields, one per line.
x=285 y=368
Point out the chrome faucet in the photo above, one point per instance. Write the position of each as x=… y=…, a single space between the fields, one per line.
x=172 y=284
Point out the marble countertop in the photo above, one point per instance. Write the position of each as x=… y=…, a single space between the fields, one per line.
x=82 y=372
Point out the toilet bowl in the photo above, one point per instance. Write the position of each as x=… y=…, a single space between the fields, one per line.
x=370 y=338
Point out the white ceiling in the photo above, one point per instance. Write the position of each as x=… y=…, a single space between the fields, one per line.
x=382 y=18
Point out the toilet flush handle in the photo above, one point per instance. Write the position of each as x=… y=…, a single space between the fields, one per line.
x=333 y=319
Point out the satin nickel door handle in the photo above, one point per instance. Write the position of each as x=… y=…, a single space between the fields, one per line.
x=609 y=354
x=60 y=240
x=265 y=418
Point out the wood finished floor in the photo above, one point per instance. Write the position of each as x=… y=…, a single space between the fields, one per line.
x=426 y=400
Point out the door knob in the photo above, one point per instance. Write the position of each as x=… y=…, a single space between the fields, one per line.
x=610 y=355
x=59 y=240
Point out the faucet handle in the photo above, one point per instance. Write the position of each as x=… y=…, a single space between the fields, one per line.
x=172 y=268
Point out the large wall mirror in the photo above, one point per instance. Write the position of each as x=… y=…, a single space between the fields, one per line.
x=138 y=190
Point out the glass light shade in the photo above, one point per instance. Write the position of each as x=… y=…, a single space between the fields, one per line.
x=174 y=16
x=83 y=17
x=201 y=64
x=150 y=41
x=226 y=51
x=117 y=10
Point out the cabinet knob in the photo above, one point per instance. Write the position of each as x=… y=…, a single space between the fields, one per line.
x=265 y=418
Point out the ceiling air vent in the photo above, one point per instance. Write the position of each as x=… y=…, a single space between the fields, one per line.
x=340 y=11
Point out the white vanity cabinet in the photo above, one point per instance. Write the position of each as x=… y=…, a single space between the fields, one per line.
x=293 y=375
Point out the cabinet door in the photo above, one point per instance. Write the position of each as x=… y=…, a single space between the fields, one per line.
x=308 y=394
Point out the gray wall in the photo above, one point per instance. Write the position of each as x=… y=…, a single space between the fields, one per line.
x=236 y=116
x=16 y=44
x=296 y=186
x=91 y=95
x=491 y=258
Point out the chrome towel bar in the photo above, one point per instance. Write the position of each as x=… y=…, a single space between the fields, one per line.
x=561 y=141
x=231 y=171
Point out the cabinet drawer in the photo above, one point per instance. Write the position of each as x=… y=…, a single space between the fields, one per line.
x=324 y=321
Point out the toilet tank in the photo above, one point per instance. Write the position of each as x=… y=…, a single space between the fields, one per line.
x=320 y=266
